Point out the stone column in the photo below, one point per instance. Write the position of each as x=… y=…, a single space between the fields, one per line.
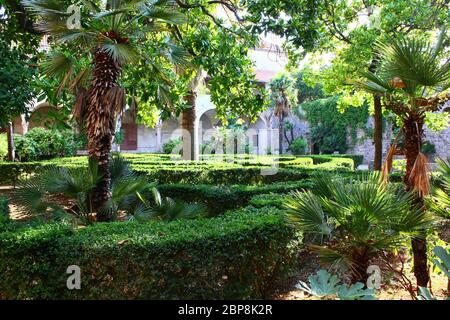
x=24 y=124
x=196 y=145
x=159 y=136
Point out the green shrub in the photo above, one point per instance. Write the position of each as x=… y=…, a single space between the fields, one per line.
x=3 y=146
x=218 y=199
x=298 y=146
x=11 y=171
x=4 y=207
x=332 y=130
x=322 y=158
x=428 y=148
x=268 y=200
x=243 y=169
x=235 y=256
x=40 y=143
x=171 y=145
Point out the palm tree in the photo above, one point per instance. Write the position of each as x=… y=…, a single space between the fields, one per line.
x=283 y=96
x=412 y=81
x=109 y=36
x=357 y=219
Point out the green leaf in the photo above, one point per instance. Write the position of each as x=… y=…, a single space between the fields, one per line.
x=356 y=291
x=322 y=284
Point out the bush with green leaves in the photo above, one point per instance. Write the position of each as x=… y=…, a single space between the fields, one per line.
x=172 y=146
x=240 y=255
x=299 y=146
x=213 y=169
x=268 y=200
x=332 y=130
x=3 y=146
x=439 y=202
x=358 y=218
x=219 y=199
x=40 y=143
x=4 y=207
x=443 y=263
x=326 y=286
x=428 y=148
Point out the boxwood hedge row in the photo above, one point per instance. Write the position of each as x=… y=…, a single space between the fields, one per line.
x=163 y=169
x=235 y=256
x=218 y=199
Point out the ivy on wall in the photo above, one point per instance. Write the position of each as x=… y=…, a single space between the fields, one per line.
x=332 y=130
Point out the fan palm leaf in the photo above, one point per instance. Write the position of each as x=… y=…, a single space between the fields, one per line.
x=414 y=61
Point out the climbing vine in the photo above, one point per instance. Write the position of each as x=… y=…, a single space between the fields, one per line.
x=332 y=130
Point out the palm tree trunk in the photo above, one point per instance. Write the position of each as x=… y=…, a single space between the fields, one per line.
x=413 y=131
x=378 y=133
x=100 y=123
x=361 y=259
x=280 y=133
x=190 y=146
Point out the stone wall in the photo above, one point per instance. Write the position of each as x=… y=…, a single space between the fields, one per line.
x=441 y=140
x=364 y=144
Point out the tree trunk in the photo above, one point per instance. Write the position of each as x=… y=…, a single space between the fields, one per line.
x=10 y=138
x=280 y=134
x=190 y=138
x=359 y=274
x=100 y=123
x=413 y=131
x=378 y=133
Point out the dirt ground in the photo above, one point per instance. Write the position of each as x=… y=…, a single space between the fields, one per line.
x=308 y=264
x=391 y=288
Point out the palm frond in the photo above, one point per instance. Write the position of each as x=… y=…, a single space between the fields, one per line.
x=29 y=195
x=177 y=55
x=164 y=14
x=372 y=83
x=333 y=258
x=57 y=64
x=121 y=52
x=306 y=210
x=413 y=60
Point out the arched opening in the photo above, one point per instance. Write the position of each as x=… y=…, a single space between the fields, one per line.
x=129 y=129
x=207 y=126
x=169 y=129
x=258 y=136
x=41 y=116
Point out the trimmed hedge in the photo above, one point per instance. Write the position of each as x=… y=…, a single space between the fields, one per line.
x=236 y=256
x=11 y=171
x=322 y=158
x=218 y=199
x=4 y=207
x=242 y=170
x=268 y=200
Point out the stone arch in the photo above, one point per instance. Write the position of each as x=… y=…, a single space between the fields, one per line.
x=170 y=129
x=208 y=122
x=39 y=116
